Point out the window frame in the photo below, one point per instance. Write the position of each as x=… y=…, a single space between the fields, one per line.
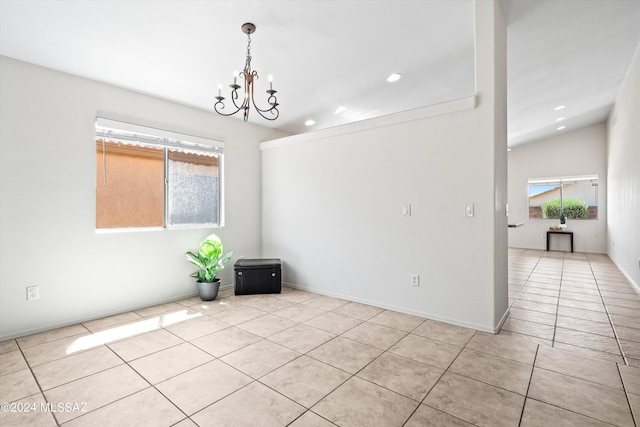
x=561 y=182
x=166 y=140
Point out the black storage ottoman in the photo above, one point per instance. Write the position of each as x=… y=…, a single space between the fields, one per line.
x=258 y=276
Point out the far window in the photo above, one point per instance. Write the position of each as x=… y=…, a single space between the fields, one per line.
x=152 y=178
x=576 y=197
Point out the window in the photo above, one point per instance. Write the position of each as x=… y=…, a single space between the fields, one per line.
x=153 y=178
x=576 y=197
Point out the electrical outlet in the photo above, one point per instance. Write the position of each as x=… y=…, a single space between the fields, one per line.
x=415 y=280
x=33 y=293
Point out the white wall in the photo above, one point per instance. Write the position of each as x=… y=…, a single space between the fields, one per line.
x=579 y=152
x=47 y=202
x=332 y=202
x=623 y=244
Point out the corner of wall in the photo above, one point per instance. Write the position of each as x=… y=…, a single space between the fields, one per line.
x=623 y=176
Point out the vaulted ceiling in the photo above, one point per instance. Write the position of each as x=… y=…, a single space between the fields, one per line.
x=330 y=59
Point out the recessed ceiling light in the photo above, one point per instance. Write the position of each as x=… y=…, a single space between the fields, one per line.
x=341 y=109
x=394 y=77
x=559 y=119
x=559 y=107
x=508 y=149
x=561 y=127
x=310 y=122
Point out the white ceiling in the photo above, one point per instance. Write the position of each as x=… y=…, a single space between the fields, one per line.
x=324 y=54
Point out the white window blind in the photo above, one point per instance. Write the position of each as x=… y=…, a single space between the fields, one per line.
x=132 y=132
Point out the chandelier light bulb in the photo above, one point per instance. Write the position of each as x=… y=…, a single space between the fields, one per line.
x=394 y=77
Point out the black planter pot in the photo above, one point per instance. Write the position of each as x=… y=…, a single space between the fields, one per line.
x=208 y=291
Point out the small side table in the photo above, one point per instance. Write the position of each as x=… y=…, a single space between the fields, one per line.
x=567 y=233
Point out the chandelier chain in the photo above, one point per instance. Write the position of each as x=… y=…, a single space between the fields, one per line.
x=247 y=64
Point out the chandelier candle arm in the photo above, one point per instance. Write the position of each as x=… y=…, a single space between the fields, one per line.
x=247 y=76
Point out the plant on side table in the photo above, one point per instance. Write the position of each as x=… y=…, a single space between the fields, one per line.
x=210 y=262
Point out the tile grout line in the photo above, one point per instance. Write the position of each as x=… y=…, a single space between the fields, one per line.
x=610 y=322
x=35 y=378
x=421 y=402
x=557 y=309
x=537 y=264
x=42 y=391
x=626 y=395
x=149 y=382
x=555 y=324
x=315 y=413
x=253 y=380
x=523 y=283
x=140 y=375
x=369 y=363
x=606 y=309
x=319 y=361
x=526 y=394
x=87 y=376
x=407 y=333
x=578 y=330
x=300 y=355
x=438 y=380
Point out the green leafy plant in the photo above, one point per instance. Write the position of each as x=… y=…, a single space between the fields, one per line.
x=551 y=209
x=209 y=259
x=571 y=208
x=575 y=209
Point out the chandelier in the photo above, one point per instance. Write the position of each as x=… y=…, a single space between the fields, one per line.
x=248 y=76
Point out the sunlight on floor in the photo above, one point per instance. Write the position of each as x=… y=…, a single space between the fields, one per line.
x=121 y=332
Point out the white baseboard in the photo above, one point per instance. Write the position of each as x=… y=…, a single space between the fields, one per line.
x=501 y=322
x=425 y=315
x=634 y=285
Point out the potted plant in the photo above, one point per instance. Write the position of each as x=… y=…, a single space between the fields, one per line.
x=210 y=262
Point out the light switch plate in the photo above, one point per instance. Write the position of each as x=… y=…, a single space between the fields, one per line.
x=415 y=280
x=468 y=210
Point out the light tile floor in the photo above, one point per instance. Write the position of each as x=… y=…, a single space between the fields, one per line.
x=568 y=355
